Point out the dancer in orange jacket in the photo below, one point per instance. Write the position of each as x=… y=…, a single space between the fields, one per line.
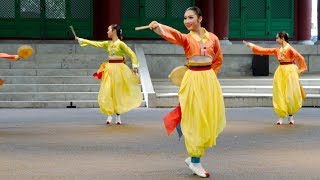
x=200 y=96
x=287 y=90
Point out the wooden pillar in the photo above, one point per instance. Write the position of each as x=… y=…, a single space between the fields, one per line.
x=304 y=21
x=106 y=12
x=221 y=19
x=207 y=9
x=318 y=19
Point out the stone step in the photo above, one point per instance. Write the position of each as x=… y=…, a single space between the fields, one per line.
x=47 y=72
x=50 y=88
x=53 y=104
x=53 y=47
x=238 y=100
x=70 y=64
x=47 y=96
x=246 y=82
x=168 y=95
x=56 y=61
x=50 y=80
x=261 y=82
x=66 y=57
x=238 y=89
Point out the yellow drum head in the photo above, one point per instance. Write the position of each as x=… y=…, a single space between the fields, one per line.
x=177 y=74
x=25 y=51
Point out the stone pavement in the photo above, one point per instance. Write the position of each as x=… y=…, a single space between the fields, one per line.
x=75 y=144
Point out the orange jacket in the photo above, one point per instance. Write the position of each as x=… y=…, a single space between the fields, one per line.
x=286 y=54
x=191 y=45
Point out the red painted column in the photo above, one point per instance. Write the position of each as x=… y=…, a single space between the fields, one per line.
x=221 y=19
x=207 y=9
x=318 y=19
x=304 y=20
x=295 y=20
x=106 y=12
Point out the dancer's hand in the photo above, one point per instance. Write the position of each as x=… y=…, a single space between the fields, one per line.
x=135 y=70
x=16 y=57
x=301 y=71
x=76 y=38
x=247 y=43
x=153 y=25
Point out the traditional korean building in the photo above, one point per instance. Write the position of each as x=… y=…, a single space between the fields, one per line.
x=228 y=19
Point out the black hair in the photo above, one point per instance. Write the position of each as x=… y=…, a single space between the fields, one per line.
x=284 y=35
x=196 y=10
x=118 y=29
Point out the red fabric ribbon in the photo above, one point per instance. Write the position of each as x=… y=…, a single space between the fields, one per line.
x=172 y=119
x=98 y=75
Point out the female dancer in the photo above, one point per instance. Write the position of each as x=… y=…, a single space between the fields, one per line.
x=287 y=96
x=119 y=91
x=200 y=95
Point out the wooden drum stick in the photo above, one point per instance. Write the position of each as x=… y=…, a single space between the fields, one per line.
x=141 y=28
x=73 y=32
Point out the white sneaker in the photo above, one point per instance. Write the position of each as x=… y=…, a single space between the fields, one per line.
x=280 y=121
x=109 y=120
x=188 y=161
x=291 y=120
x=118 y=120
x=198 y=170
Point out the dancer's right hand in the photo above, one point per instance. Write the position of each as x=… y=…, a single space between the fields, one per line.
x=76 y=38
x=16 y=57
x=153 y=25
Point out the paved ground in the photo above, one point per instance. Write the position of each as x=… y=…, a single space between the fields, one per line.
x=75 y=144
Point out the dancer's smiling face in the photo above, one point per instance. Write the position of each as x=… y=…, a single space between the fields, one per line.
x=279 y=40
x=111 y=32
x=191 y=20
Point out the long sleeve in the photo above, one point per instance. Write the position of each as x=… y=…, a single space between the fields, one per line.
x=172 y=35
x=99 y=44
x=8 y=56
x=218 y=57
x=264 y=51
x=131 y=54
x=301 y=62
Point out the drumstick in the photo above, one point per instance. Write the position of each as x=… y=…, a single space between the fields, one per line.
x=73 y=32
x=141 y=28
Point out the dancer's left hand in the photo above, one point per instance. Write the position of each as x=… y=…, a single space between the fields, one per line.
x=135 y=70
x=301 y=71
